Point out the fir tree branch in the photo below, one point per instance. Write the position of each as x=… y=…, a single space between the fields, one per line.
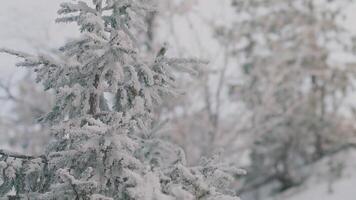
x=14 y=53
x=6 y=153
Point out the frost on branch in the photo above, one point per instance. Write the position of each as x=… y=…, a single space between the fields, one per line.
x=104 y=146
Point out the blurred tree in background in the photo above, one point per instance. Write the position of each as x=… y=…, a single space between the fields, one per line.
x=293 y=86
x=21 y=130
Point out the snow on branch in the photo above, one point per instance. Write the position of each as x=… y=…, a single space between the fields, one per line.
x=6 y=153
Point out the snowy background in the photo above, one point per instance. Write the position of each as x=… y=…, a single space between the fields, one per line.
x=29 y=26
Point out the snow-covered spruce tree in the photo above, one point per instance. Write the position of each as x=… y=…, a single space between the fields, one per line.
x=294 y=87
x=104 y=146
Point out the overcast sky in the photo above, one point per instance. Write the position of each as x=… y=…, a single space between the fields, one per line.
x=28 y=25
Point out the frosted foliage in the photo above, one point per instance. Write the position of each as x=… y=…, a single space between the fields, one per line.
x=105 y=152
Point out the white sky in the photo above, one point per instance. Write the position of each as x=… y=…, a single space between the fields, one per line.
x=29 y=25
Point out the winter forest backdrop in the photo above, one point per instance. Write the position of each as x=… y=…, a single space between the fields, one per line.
x=272 y=92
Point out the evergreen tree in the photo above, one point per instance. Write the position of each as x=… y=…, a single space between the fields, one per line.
x=104 y=145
